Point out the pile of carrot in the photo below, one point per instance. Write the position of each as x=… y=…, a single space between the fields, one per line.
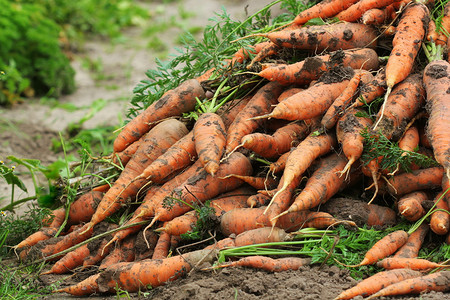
x=267 y=159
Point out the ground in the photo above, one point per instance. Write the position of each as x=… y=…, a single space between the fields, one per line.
x=27 y=131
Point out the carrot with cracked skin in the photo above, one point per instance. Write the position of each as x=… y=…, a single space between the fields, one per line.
x=155 y=143
x=405 y=100
x=410 y=205
x=356 y=11
x=406 y=45
x=384 y=247
x=440 y=218
x=439 y=282
x=348 y=132
x=317 y=98
x=341 y=103
x=283 y=139
x=261 y=103
x=436 y=78
x=376 y=282
x=321 y=186
x=303 y=156
x=311 y=68
x=173 y=103
x=330 y=37
x=202 y=187
x=269 y=264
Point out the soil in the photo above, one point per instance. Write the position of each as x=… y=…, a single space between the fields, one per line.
x=27 y=131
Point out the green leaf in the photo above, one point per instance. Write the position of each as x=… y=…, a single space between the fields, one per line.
x=10 y=178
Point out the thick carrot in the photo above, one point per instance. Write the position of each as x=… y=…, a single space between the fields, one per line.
x=260 y=236
x=303 y=156
x=258 y=200
x=440 y=219
x=436 y=78
x=155 y=142
x=377 y=282
x=321 y=186
x=356 y=11
x=161 y=249
x=330 y=37
x=312 y=68
x=210 y=139
x=289 y=92
x=279 y=142
x=230 y=109
x=82 y=209
x=323 y=220
x=406 y=45
x=340 y=104
x=203 y=186
x=385 y=247
x=261 y=103
x=401 y=106
x=378 y=16
x=323 y=9
x=410 y=205
x=439 y=282
x=348 y=133
x=173 y=103
x=269 y=264
x=414 y=243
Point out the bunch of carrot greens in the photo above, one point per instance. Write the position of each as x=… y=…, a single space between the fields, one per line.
x=269 y=130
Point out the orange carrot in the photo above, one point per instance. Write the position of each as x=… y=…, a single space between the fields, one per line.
x=440 y=219
x=82 y=209
x=280 y=163
x=259 y=104
x=269 y=264
x=258 y=200
x=414 y=243
x=124 y=252
x=439 y=282
x=340 y=104
x=330 y=37
x=355 y=12
x=124 y=156
x=323 y=9
x=418 y=264
x=372 y=89
x=88 y=286
x=210 y=139
x=436 y=79
x=385 y=247
x=401 y=106
x=323 y=220
x=406 y=45
x=259 y=183
x=312 y=68
x=348 y=132
x=173 y=103
x=260 y=236
x=377 y=282
x=378 y=16
x=203 y=186
x=280 y=142
x=69 y=261
x=289 y=92
x=161 y=249
x=155 y=142
x=410 y=205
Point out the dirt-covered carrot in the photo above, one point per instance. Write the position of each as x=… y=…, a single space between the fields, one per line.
x=162 y=247
x=378 y=16
x=418 y=264
x=124 y=252
x=279 y=142
x=321 y=186
x=440 y=219
x=410 y=205
x=259 y=183
x=385 y=247
x=269 y=264
x=439 y=282
x=414 y=243
x=356 y=11
x=124 y=156
x=372 y=89
x=260 y=236
x=406 y=45
x=436 y=78
x=377 y=282
x=88 y=286
x=348 y=133
x=173 y=103
x=261 y=103
x=258 y=200
x=69 y=261
x=82 y=209
x=330 y=37
x=401 y=106
x=312 y=68
x=279 y=165
x=155 y=143
x=324 y=9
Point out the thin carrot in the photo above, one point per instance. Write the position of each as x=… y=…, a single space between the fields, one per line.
x=323 y=220
x=124 y=252
x=312 y=68
x=260 y=236
x=258 y=200
x=259 y=183
x=323 y=9
x=155 y=142
x=269 y=264
x=279 y=165
x=436 y=78
x=378 y=16
x=348 y=132
x=69 y=261
x=440 y=219
x=260 y=103
x=88 y=286
x=407 y=263
x=356 y=11
x=377 y=282
x=124 y=156
x=439 y=282
x=406 y=45
x=173 y=103
x=372 y=89
x=161 y=249
x=385 y=247
x=415 y=240
x=410 y=205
